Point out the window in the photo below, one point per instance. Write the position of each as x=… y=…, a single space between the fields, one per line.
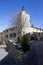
x=37 y=29
x=11 y=35
x=6 y=30
x=12 y=29
x=6 y=36
x=39 y=34
x=14 y=34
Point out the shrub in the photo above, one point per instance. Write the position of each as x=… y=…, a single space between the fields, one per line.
x=25 y=43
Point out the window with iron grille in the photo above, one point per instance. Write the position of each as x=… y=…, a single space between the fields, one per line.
x=6 y=36
x=14 y=34
x=10 y=34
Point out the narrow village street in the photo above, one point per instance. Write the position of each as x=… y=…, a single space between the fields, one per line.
x=36 y=54
x=5 y=58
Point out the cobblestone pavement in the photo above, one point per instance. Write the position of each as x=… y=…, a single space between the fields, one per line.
x=34 y=57
x=3 y=53
x=6 y=59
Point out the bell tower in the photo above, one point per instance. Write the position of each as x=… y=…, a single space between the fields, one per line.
x=25 y=18
x=23 y=22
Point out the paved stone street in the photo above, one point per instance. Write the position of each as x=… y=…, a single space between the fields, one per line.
x=5 y=58
x=3 y=53
x=34 y=57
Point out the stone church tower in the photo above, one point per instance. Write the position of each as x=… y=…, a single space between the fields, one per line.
x=23 y=22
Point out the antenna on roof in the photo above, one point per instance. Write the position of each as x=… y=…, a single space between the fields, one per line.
x=23 y=8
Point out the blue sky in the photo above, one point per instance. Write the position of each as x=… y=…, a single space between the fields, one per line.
x=11 y=7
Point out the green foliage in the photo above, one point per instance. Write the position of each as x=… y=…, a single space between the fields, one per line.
x=25 y=43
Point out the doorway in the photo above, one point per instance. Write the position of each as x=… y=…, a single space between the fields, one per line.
x=18 y=39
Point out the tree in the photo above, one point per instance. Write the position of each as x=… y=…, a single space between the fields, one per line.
x=22 y=22
x=13 y=20
x=18 y=22
x=25 y=43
